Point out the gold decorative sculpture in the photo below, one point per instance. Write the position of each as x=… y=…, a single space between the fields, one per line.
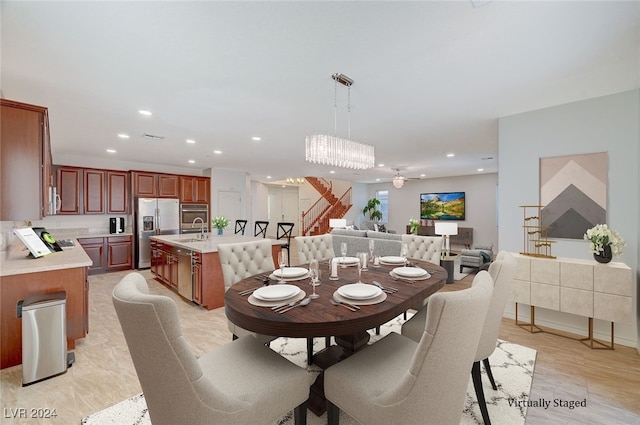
x=536 y=242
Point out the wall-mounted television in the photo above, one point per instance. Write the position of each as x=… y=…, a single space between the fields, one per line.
x=442 y=206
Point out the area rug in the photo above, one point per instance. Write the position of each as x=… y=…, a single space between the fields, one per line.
x=512 y=366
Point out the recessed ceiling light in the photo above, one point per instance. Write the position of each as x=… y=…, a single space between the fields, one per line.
x=144 y=112
x=191 y=141
x=377 y=180
x=217 y=152
x=380 y=165
x=111 y=150
x=269 y=177
x=332 y=172
x=422 y=175
x=451 y=155
x=284 y=185
x=256 y=138
x=192 y=161
x=123 y=136
x=480 y=169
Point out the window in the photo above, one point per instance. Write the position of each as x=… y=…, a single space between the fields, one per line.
x=383 y=197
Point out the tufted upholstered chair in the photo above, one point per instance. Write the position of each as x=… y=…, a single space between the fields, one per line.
x=425 y=248
x=314 y=247
x=501 y=271
x=400 y=381
x=242 y=382
x=318 y=247
x=242 y=260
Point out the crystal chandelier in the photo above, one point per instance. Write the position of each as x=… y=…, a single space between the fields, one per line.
x=398 y=181
x=332 y=150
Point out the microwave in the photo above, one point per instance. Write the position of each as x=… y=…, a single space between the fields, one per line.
x=190 y=213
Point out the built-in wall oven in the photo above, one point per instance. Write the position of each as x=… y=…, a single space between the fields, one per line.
x=190 y=216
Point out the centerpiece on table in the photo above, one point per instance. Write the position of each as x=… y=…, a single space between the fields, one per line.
x=414 y=225
x=220 y=223
x=605 y=243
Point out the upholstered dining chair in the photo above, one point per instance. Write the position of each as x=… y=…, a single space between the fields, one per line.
x=241 y=225
x=284 y=231
x=242 y=382
x=260 y=228
x=400 y=381
x=319 y=247
x=501 y=271
x=425 y=248
x=242 y=260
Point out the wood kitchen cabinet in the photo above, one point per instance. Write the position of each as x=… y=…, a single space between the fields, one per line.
x=117 y=192
x=154 y=185
x=94 y=247
x=194 y=190
x=92 y=191
x=108 y=254
x=81 y=190
x=25 y=161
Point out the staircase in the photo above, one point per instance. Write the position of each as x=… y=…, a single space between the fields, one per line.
x=315 y=221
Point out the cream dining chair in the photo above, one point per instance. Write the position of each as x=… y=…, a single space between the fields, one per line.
x=242 y=260
x=399 y=381
x=425 y=248
x=318 y=247
x=242 y=382
x=501 y=271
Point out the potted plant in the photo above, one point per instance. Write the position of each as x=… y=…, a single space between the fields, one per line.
x=372 y=209
x=414 y=225
x=220 y=223
x=605 y=243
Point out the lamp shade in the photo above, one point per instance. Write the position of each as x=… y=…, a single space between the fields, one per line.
x=337 y=223
x=446 y=228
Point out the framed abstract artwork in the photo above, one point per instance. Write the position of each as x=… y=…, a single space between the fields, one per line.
x=573 y=193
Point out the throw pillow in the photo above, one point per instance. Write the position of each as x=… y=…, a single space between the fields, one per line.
x=485 y=257
x=382 y=228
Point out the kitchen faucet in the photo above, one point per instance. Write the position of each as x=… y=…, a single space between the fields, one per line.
x=193 y=224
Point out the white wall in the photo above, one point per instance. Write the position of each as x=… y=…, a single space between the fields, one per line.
x=480 y=203
x=611 y=124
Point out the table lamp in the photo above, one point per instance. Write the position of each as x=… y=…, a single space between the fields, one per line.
x=337 y=223
x=446 y=229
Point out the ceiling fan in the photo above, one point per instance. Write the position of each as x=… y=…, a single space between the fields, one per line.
x=398 y=179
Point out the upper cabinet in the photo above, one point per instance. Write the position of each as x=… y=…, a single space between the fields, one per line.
x=154 y=185
x=25 y=161
x=117 y=192
x=194 y=190
x=92 y=191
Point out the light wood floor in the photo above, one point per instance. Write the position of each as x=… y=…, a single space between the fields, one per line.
x=104 y=375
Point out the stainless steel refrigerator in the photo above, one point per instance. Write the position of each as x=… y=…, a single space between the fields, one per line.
x=153 y=216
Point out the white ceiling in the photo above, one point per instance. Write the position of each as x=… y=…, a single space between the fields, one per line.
x=430 y=77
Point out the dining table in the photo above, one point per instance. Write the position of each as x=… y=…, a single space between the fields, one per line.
x=323 y=318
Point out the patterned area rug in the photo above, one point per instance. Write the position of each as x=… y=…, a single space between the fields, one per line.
x=512 y=366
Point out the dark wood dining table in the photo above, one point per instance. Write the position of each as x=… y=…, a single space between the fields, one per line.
x=320 y=318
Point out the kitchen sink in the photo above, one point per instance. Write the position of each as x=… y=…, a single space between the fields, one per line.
x=191 y=240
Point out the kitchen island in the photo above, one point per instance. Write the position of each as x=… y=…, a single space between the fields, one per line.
x=22 y=276
x=192 y=267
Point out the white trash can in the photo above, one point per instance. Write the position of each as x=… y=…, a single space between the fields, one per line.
x=44 y=336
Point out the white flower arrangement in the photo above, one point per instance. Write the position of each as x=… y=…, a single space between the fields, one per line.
x=220 y=222
x=600 y=236
x=414 y=224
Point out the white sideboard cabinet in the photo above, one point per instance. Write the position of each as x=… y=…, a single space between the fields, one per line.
x=582 y=287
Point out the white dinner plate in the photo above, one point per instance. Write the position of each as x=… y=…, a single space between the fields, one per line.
x=347 y=261
x=276 y=292
x=359 y=291
x=409 y=271
x=392 y=260
x=289 y=272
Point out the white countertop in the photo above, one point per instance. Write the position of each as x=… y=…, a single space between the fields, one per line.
x=14 y=260
x=207 y=245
